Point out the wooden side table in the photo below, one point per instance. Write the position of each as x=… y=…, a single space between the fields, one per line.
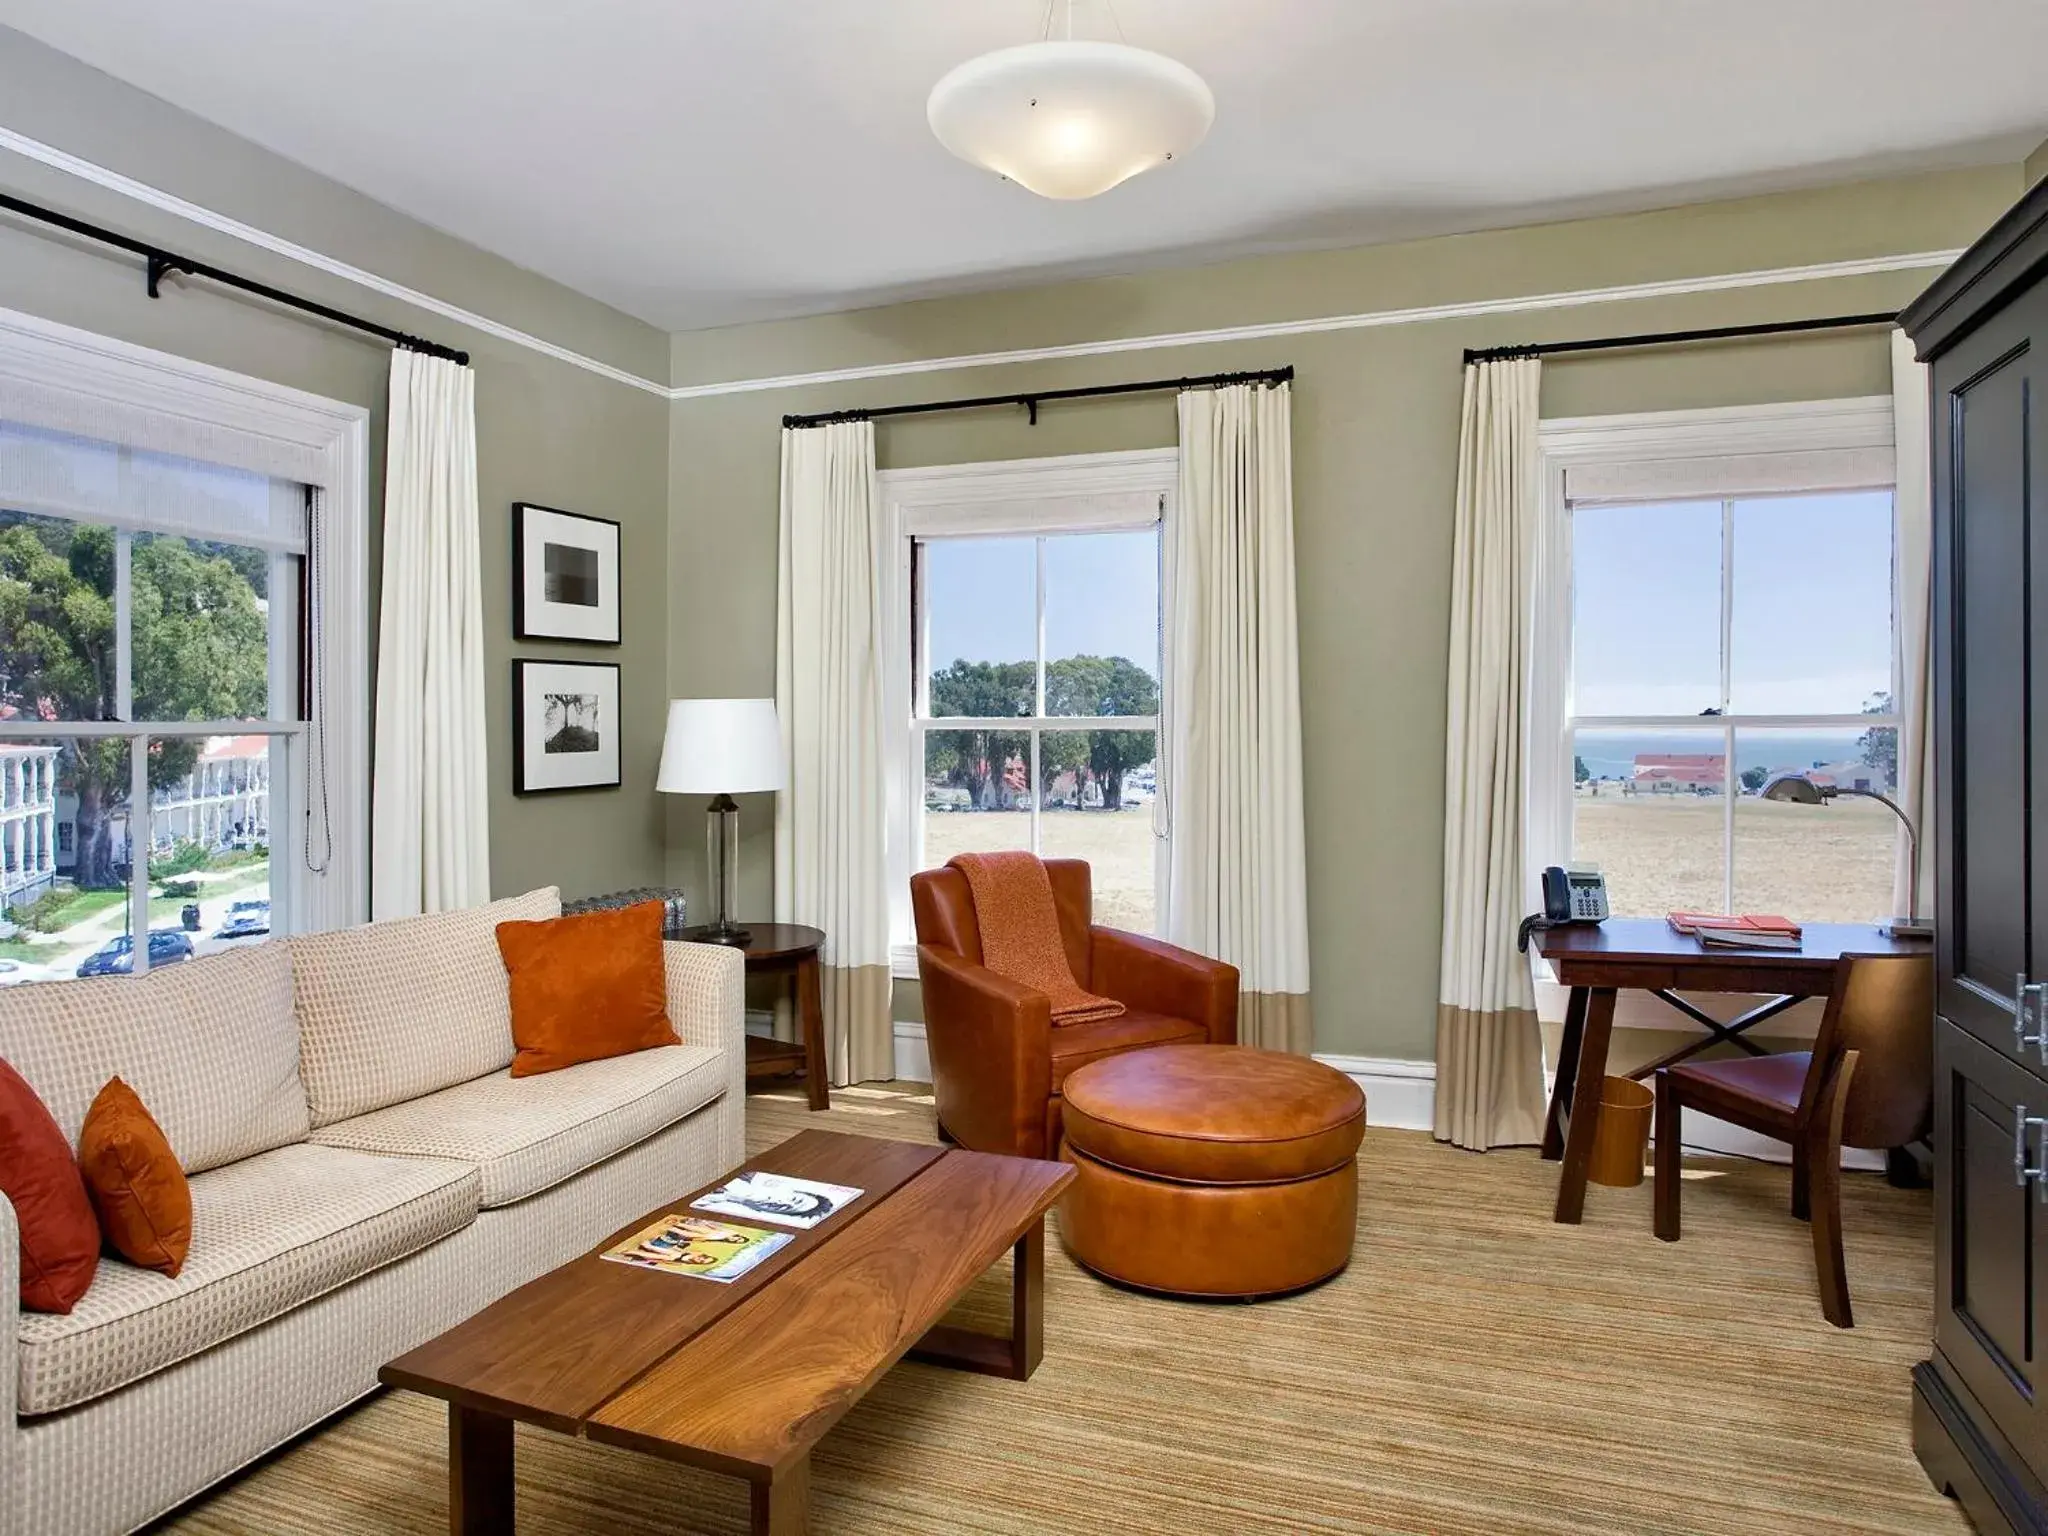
x=775 y=949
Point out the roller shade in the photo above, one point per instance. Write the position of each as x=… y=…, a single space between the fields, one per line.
x=57 y=474
x=1712 y=478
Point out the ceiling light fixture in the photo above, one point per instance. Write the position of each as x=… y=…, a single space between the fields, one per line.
x=1070 y=118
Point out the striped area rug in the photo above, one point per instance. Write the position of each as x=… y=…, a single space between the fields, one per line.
x=1477 y=1370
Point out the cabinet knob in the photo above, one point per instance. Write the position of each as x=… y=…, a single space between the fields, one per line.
x=2024 y=1128
x=2027 y=1009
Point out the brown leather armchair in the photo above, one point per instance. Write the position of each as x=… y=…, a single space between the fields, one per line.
x=997 y=1059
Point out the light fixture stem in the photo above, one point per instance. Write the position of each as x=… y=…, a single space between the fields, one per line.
x=1912 y=844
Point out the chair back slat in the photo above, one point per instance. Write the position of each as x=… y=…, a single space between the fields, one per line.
x=1882 y=1007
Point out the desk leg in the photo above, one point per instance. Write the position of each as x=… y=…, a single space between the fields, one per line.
x=810 y=1007
x=783 y=1507
x=479 y=1473
x=1561 y=1078
x=1585 y=1105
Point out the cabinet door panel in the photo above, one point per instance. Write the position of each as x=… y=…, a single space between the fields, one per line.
x=1989 y=1225
x=1981 y=637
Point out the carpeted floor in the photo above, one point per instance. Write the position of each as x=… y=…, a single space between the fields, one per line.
x=1476 y=1370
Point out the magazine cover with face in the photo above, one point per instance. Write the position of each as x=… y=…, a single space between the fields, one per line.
x=690 y=1245
x=778 y=1198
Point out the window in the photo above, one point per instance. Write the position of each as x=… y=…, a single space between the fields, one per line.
x=149 y=683
x=1717 y=641
x=1030 y=659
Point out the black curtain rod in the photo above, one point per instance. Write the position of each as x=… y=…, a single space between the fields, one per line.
x=1032 y=400
x=1675 y=338
x=162 y=263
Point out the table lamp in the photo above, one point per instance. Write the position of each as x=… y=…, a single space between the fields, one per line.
x=1798 y=789
x=721 y=748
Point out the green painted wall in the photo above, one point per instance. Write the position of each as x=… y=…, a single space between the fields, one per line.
x=1375 y=435
x=546 y=431
x=2036 y=168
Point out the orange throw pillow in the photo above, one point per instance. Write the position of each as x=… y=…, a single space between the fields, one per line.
x=60 y=1241
x=586 y=987
x=144 y=1203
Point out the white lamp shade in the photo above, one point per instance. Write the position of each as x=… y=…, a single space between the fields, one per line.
x=1070 y=119
x=720 y=747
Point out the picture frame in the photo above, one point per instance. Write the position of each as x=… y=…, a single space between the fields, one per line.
x=565 y=576
x=565 y=726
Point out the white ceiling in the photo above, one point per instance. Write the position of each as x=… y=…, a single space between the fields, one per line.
x=700 y=162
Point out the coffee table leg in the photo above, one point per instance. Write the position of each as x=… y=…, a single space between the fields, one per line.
x=810 y=1007
x=1014 y=1358
x=479 y=1473
x=783 y=1507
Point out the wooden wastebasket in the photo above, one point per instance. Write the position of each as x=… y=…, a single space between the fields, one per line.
x=1622 y=1135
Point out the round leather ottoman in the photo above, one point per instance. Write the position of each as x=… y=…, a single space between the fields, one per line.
x=1211 y=1170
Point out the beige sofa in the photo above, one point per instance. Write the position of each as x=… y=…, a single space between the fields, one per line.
x=365 y=1173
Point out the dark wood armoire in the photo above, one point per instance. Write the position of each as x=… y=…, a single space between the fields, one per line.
x=1980 y=1404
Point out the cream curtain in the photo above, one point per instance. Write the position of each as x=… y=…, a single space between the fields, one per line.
x=831 y=839
x=1489 y=1051
x=1913 y=514
x=1237 y=883
x=430 y=825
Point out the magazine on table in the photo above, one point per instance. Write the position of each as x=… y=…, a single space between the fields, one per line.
x=697 y=1246
x=778 y=1198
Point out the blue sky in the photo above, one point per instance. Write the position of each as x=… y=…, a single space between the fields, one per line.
x=1812 y=606
x=1101 y=598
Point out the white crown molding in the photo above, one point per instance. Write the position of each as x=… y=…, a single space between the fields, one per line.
x=165 y=202
x=220 y=223
x=1370 y=320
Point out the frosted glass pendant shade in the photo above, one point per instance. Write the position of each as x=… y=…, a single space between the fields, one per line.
x=1071 y=119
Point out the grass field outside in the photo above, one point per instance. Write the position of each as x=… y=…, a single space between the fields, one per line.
x=1119 y=846
x=1811 y=863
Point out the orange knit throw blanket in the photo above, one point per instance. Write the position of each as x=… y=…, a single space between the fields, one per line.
x=1020 y=932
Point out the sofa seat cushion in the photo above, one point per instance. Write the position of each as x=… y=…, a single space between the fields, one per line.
x=1075 y=1045
x=527 y=1133
x=389 y=1011
x=268 y=1234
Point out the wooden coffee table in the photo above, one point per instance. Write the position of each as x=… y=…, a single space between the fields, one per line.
x=745 y=1378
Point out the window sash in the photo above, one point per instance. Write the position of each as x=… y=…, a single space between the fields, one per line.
x=1728 y=724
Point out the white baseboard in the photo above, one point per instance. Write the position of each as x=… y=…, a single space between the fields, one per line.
x=913 y=1057
x=1399 y=1095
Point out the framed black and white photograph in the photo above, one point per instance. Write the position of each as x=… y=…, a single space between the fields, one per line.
x=565 y=576
x=565 y=726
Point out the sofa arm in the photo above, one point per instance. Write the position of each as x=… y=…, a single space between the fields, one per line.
x=1158 y=977
x=11 y=1491
x=991 y=1047
x=707 y=1004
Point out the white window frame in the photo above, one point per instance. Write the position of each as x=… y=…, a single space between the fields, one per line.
x=65 y=379
x=1023 y=498
x=1781 y=448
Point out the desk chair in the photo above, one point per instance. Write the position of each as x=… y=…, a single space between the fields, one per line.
x=1868 y=1082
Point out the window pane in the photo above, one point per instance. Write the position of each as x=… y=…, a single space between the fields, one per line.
x=57 y=645
x=1097 y=805
x=209 y=862
x=1816 y=863
x=977 y=793
x=1102 y=623
x=1812 y=625
x=980 y=625
x=64 y=847
x=1649 y=811
x=201 y=628
x=1646 y=592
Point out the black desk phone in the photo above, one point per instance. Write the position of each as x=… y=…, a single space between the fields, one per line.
x=1576 y=895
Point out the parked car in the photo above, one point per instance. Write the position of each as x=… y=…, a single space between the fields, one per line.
x=246 y=918
x=14 y=972
x=116 y=957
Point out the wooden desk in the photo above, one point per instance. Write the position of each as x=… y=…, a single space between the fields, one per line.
x=1644 y=954
x=787 y=949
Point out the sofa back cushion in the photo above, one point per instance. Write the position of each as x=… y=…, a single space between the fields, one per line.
x=390 y=1011
x=209 y=1044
